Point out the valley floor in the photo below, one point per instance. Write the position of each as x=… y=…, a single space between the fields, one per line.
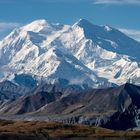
x=39 y=130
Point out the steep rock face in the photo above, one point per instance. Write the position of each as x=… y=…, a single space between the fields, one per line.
x=11 y=91
x=35 y=98
x=91 y=101
x=115 y=108
x=29 y=103
x=122 y=120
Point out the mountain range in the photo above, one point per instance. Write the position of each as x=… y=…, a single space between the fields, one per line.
x=83 y=54
x=83 y=72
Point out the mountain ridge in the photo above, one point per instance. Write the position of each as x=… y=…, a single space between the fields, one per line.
x=48 y=50
x=114 y=107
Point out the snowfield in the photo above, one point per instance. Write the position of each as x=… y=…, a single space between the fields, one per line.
x=84 y=53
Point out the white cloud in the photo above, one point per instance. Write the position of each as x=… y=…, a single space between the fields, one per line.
x=135 y=34
x=7 y=27
x=117 y=2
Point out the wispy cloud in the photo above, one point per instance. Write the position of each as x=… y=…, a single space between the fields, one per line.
x=6 y=27
x=65 y=1
x=45 y=1
x=135 y=34
x=117 y=2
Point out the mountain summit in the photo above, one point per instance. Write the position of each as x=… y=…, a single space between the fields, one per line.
x=84 y=53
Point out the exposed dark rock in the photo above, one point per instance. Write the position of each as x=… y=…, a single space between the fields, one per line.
x=115 y=108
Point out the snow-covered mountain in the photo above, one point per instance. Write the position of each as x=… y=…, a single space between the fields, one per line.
x=83 y=53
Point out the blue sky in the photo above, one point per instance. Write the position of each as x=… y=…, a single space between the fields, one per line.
x=124 y=14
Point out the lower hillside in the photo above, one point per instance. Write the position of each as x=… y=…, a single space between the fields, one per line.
x=116 y=108
x=35 y=130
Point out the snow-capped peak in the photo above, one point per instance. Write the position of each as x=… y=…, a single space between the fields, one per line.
x=81 y=53
x=107 y=28
x=36 y=26
x=82 y=22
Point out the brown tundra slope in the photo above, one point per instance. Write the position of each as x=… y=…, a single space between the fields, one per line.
x=35 y=130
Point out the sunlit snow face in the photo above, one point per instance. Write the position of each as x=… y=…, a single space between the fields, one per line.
x=107 y=28
x=83 y=53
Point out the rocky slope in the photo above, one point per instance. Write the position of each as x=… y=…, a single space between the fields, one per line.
x=115 y=108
